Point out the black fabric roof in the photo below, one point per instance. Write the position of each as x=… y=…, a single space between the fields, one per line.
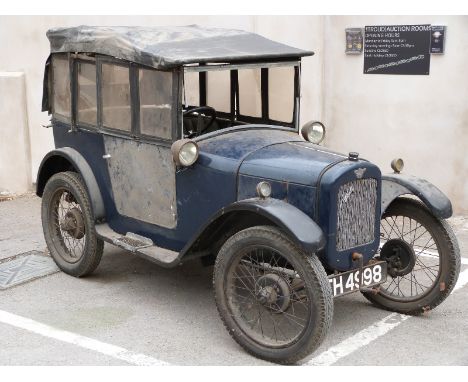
x=168 y=47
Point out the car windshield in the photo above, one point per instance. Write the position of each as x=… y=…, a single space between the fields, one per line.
x=220 y=96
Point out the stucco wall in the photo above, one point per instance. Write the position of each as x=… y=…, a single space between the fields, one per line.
x=420 y=118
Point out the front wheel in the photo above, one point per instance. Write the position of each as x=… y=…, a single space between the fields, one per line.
x=422 y=256
x=274 y=300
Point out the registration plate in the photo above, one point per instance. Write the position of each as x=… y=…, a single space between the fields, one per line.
x=348 y=282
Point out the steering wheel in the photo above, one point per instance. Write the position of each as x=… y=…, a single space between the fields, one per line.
x=208 y=110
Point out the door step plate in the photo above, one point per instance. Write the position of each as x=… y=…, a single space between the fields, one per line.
x=133 y=242
x=139 y=245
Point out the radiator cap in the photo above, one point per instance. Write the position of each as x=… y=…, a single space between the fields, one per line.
x=353 y=156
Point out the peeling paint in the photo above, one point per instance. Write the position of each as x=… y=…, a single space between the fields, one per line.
x=143 y=180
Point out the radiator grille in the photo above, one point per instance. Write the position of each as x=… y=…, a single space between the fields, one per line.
x=356 y=213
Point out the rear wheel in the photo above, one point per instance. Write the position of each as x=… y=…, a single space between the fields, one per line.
x=68 y=225
x=274 y=300
x=422 y=255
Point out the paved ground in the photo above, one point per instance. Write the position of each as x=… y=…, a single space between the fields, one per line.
x=152 y=315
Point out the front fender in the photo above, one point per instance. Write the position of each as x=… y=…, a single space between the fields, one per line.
x=394 y=185
x=61 y=160
x=295 y=223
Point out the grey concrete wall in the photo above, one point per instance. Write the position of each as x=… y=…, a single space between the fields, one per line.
x=420 y=118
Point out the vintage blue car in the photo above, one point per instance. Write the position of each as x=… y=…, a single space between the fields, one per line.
x=182 y=143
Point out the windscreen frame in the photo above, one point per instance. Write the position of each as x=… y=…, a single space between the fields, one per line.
x=234 y=114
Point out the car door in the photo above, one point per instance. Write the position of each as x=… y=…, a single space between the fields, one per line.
x=136 y=115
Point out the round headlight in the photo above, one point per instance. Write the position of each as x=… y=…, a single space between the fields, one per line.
x=184 y=152
x=397 y=165
x=264 y=189
x=313 y=132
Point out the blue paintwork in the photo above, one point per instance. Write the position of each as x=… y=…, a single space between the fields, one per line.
x=237 y=143
x=295 y=223
x=294 y=162
x=229 y=167
x=306 y=173
x=298 y=195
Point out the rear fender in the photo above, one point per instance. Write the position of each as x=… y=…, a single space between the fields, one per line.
x=66 y=159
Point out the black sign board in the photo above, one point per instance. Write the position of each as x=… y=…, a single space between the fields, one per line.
x=354 y=41
x=437 y=39
x=397 y=49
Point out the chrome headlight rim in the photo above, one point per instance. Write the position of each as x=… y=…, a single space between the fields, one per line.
x=397 y=165
x=263 y=189
x=185 y=152
x=308 y=129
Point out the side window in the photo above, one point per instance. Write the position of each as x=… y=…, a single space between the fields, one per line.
x=281 y=93
x=155 y=103
x=191 y=89
x=250 y=98
x=61 y=86
x=218 y=90
x=116 y=105
x=86 y=102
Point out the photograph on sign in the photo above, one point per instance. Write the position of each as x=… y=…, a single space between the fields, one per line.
x=354 y=41
x=397 y=49
x=437 y=39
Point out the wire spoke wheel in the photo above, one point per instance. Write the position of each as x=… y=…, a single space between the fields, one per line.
x=422 y=255
x=275 y=301
x=67 y=225
x=412 y=255
x=267 y=297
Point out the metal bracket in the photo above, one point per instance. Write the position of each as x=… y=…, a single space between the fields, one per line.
x=356 y=256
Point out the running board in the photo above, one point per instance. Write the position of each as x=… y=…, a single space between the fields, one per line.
x=140 y=245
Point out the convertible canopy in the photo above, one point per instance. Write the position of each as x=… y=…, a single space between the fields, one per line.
x=169 y=47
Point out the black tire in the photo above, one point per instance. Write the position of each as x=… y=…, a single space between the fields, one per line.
x=311 y=289
x=77 y=251
x=438 y=278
